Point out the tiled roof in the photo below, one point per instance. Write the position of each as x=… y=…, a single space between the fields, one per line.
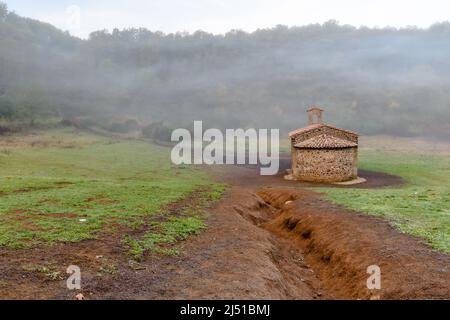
x=316 y=126
x=305 y=129
x=325 y=141
x=314 y=108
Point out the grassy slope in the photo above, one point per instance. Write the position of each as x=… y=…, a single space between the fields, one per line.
x=420 y=208
x=49 y=183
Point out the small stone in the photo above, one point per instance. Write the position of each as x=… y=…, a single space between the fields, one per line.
x=82 y=220
x=79 y=296
x=136 y=266
x=289 y=177
x=287 y=202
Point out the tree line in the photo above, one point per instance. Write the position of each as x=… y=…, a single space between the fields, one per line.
x=384 y=80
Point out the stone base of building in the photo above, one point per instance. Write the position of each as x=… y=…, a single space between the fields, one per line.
x=357 y=180
x=350 y=181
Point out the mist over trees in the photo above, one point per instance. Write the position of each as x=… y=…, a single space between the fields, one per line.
x=388 y=80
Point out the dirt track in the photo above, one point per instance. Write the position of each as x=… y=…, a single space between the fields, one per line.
x=340 y=244
x=256 y=247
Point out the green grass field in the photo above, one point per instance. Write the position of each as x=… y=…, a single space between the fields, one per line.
x=421 y=207
x=63 y=186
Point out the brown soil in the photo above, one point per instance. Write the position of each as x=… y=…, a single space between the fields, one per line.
x=340 y=244
x=20 y=215
x=256 y=246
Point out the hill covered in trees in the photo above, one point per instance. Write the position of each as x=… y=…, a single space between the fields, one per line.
x=371 y=80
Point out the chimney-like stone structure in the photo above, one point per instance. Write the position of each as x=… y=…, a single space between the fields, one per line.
x=315 y=115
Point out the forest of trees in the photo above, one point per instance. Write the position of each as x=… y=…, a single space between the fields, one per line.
x=394 y=81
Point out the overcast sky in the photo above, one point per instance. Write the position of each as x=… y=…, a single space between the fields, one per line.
x=81 y=17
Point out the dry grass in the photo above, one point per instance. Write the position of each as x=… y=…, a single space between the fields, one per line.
x=404 y=144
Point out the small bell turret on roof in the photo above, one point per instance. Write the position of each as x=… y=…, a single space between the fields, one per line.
x=315 y=112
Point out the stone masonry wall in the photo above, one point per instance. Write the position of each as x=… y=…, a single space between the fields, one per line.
x=326 y=165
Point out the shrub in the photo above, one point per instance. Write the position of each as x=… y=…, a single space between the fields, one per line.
x=126 y=126
x=157 y=131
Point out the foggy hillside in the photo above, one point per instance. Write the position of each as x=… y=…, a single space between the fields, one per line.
x=371 y=80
